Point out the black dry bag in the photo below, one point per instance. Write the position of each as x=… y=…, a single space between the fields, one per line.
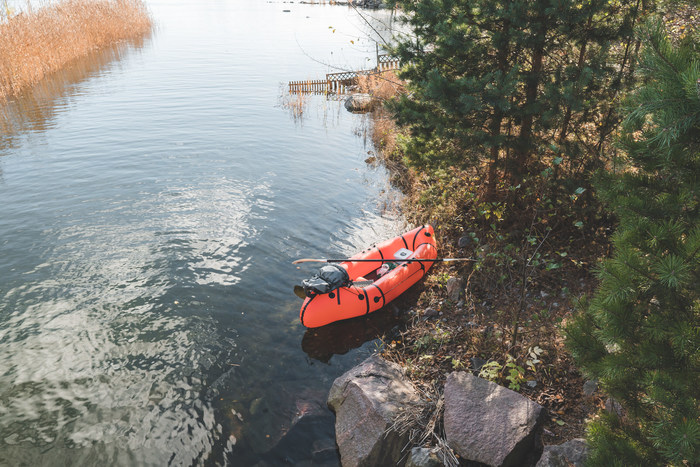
x=327 y=279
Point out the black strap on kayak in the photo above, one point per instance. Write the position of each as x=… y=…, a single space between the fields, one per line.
x=416 y=236
x=303 y=310
x=420 y=262
x=366 y=298
x=376 y=299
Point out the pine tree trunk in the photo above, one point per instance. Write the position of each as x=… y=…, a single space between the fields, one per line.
x=523 y=147
x=497 y=120
x=579 y=67
x=607 y=126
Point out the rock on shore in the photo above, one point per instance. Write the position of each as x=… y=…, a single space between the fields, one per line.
x=366 y=401
x=487 y=423
x=359 y=103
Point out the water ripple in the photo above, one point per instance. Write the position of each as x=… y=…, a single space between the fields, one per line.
x=94 y=350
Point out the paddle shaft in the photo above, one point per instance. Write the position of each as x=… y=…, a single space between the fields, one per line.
x=385 y=260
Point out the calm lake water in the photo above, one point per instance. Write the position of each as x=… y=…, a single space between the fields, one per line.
x=152 y=198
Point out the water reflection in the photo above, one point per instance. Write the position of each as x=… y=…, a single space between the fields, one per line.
x=339 y=338
x=36 y=109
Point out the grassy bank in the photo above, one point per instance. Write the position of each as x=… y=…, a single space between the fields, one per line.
x=40 y=42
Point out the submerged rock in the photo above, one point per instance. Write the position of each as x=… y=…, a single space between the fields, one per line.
x=309 y=438
x=487 y=423
x=366 y=400
x=307 y=441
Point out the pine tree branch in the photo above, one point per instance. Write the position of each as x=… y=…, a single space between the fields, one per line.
x=655 y=45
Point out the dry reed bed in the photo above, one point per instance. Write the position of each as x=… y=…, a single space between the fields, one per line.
x=383 y=131
x=41 y=42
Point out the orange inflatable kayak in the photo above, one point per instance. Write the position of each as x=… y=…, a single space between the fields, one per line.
x=376 y=276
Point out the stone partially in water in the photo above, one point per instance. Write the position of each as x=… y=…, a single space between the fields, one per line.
x=359 y=103
x=366 y=401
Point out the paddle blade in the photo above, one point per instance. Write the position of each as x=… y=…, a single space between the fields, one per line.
x=309 y=260
x=299 y=292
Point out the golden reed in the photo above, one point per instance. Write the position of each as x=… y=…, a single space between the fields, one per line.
x=35 y=44
x=383 y=129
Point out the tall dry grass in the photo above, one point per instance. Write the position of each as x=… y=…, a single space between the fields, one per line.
x=295 y=102
x=383 y=130
x=382 y=86
x=37 y=43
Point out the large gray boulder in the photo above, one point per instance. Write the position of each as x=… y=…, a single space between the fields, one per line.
x=572 y=453
x=487 y=423
x=366 y=401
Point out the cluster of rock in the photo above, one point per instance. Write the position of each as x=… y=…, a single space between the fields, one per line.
x=483 y=422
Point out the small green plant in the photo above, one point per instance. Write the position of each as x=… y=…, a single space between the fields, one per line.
x=491 y=370
x=516 y=374
x=494 y=210
x=436 y=338
x=442 y=336
x=423 y=342
x=541 y=316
